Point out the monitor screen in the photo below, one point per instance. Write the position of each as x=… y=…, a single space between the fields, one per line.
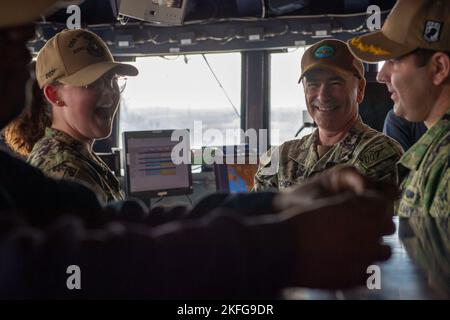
x=150 y=169
x=240 y=177
x=236 y=172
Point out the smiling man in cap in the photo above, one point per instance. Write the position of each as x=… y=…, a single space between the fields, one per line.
x=334 y=83
x=415 y=45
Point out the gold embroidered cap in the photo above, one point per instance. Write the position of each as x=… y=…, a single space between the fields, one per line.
x=411 y=24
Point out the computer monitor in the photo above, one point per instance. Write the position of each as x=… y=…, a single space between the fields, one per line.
x=150 y=169
x=235 y=172
x=170 y=12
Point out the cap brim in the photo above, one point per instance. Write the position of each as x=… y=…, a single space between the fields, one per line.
x=93 y=72
x=21 y=12
x=319 y=66
x=376 y=47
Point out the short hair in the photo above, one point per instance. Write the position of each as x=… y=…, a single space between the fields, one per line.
x=424 y=55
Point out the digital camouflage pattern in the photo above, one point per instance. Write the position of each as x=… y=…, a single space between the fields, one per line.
x=424 y=173
x=294 y=162
x=431 y=249
x=60 y=156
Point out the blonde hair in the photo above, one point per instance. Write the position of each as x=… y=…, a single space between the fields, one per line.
x=23 y=132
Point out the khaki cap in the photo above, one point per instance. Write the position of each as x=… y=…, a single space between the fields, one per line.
x=19 y=12
x=331 y=54
x=412 y=24
x=77 y=57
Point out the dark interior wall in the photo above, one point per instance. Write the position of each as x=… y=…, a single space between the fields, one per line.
x=376 y=105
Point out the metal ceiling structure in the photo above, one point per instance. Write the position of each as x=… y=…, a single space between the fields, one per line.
x=220 y=26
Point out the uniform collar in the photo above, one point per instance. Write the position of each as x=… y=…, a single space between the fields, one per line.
x=414 y=156
x=68 y=140
x=345 y=146
x=78 y=147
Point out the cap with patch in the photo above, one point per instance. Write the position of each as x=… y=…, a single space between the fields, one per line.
x=77 y=57
x=412 y=24
x=331 y=54
x=18 y=12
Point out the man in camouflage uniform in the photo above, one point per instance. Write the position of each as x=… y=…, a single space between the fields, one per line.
x=415 y=44
x=334 y=85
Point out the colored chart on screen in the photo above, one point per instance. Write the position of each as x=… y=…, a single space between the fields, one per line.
x=151 y=166
x=156 y=162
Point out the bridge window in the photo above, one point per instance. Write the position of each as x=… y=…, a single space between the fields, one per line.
x=287 y=100
x=173 y=92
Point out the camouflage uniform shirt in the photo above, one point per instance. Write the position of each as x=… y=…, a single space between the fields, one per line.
x=59 y=155
x=295 y=161
x=424 y=173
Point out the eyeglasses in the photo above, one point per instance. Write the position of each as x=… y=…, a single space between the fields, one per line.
x=115 y=83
